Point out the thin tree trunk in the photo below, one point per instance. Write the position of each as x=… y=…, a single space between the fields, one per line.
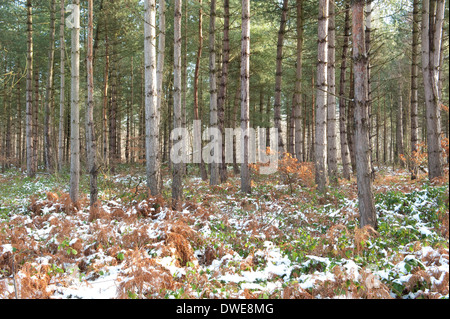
x=214 y=166
x=31 y=172
x=196 y=87
x=223 y=83
x=62 y=89
x=19 y=125
x=351 y=122
x=399 y=131
x=75 y=107
x=177 y=183
x=245 y=97
x=105 y=100
x=321 y=99
x=367 y=211
x=415 y=88
x=184 y=73
x=279 y=75
x=299 y=139
x=331 y=97
x=160 y=58
x=345 y=153
x=91 y=149
x=48 y=147
x=151 y=110
x=432 y=20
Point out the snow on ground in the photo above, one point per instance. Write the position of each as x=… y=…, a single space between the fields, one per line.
x=270 y=244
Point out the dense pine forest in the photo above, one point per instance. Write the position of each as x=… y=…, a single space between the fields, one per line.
x=256 y=149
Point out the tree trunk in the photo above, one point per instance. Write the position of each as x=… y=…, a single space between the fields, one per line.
x=213 y=121
x=198 y=157
x=105 y=101
x=279 y=75
x=432 y=20
x=31 y=172
x=151 y=111
x=62 y=89
x=48 y=147
x=245 y=97
x=345 y=153
x=160 y=58
x=223 y=83
x=367 y=211
x=351 y=122
x=399 y=131
x=177 y=183
x=299 y=141
x=321 y=98
x=91 y=149
x=75 y=107
x=415 y=88
x=331 y=97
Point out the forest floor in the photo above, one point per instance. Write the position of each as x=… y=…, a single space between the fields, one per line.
x=283 y=241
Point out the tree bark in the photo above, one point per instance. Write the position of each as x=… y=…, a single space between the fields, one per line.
x=367 y=211
x=432 y=20
x=415 y=87
x=31 y=172
x=91 y=149
x=321 y=98
x=177 y=182
x=279 y=76
x=151 y=110
x=75 y=107
x=48 y=147
x=223 y=83
x=331 y=96
x=299 y=141
x=345 y=153
x=399 y=131
x=62 y=89
x=245 y=96
x=213 y=121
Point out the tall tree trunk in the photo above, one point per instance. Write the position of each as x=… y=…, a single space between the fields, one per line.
x=351 y=122
x=432 y=20
x=223 y=83
x=245 y=97
x=184 y=73
x=177 y=183
x=331 y=97
x=385 y=138
x=279 y=75
x=199 y=156
x=91 y=149
x=19 y=125
x=113 y=112
x=48 y=147
x=367 y=211
x=62 y=89
x=75 y=107
x=399 y=132
x=321 y=98
x=213 y=121
x=345 y=153
x=299 y=141
x=160 y=58
x=31 y=172
x=105 y=100
x=35 y=120
x=151 y=110
x=368 y=40
x=415 y=88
